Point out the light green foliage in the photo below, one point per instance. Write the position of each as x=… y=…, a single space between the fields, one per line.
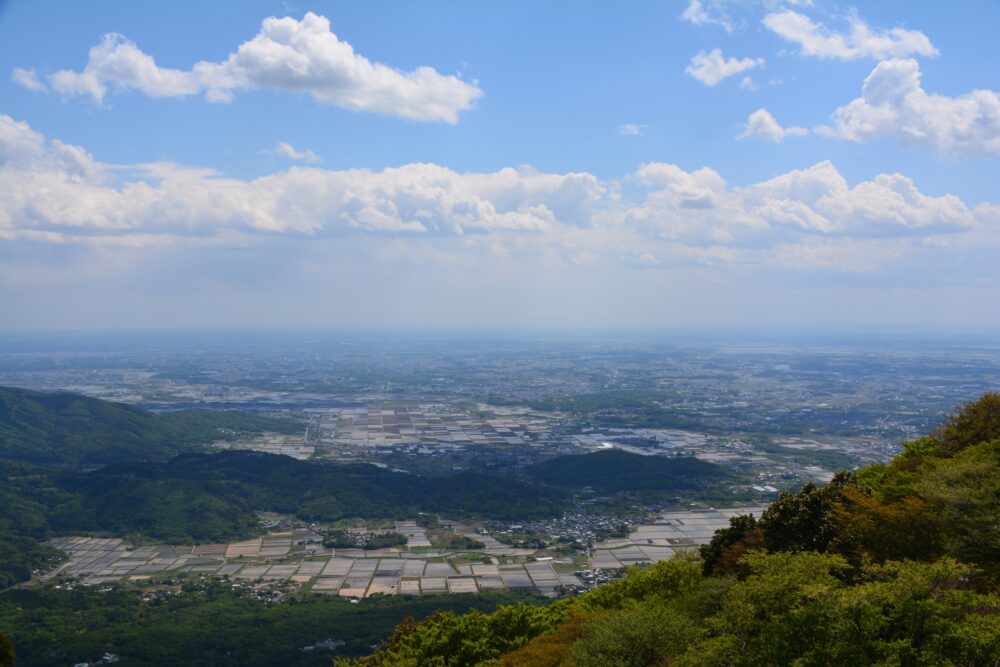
x=447 y=640
x=973 y=423
x=794 y=611
x=921 y=447
x=637 y=636
x=665 y=580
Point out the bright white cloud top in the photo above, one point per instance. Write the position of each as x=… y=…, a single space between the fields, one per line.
x=762 y=125
x=288 y=55
x=815 y=39
x=894 y=104
x=712 y=67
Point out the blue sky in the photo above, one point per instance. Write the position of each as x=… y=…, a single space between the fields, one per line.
x=499 y=165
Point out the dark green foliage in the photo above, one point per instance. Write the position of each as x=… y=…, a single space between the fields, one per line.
x=7 y=654
x=728 y=545
x=614 y=471
x=214 y=497
x=215 y=627
x=248 y=481
x=70 y=429
x=20 y=556
x=803 y=521
x=964 y=493
x=974 y=423
x=342 y=539
x=24 y=490
x=454 y=542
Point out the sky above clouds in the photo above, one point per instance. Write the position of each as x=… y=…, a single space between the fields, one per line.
x=767 y=164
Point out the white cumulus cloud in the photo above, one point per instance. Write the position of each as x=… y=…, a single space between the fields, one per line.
x=762 y=125
x=286 y=150
x=697 y=14
x=632 y=130
x=289 y=55
x=815 y=39
x=894 y=104
x=712 y=67
x=27 y=78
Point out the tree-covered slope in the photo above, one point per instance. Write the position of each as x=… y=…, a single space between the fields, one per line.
x=613 y=471
x=198 y=498
x=66 y=428
x=213 y=497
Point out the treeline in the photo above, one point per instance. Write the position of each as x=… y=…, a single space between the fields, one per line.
x=893 y=565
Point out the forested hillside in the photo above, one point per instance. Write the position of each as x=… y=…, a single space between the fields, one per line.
x=890 y=565
x=151 y=487
x=45 y=438
x=614 y=471
x=69 y=429
x=214 y=497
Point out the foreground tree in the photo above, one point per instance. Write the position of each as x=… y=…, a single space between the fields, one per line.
x=6 y=651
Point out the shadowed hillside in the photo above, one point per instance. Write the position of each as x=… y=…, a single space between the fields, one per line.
x=614 y=471
x=69 y=429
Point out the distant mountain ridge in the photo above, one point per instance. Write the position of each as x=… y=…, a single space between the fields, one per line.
x=63 y=428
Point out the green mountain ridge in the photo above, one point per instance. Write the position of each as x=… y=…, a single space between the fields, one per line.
x=63 y=428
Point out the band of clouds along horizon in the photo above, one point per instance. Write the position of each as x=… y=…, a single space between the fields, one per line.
x=52 y=192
